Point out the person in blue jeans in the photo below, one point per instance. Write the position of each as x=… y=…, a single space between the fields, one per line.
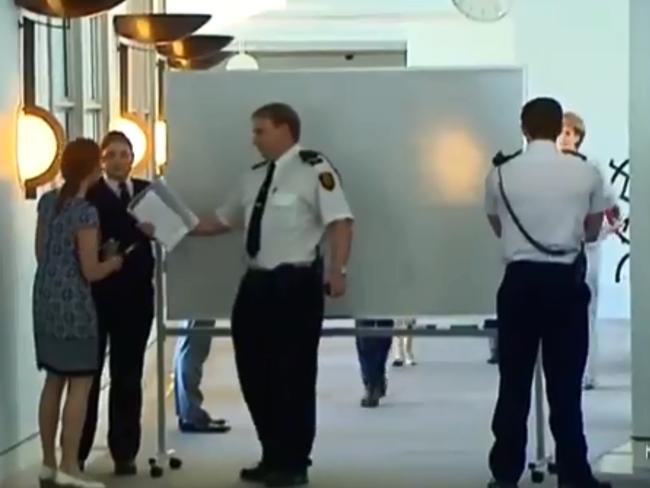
x=191 y=353
x=373 y=353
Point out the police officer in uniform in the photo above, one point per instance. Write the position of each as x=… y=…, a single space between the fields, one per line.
x=542 y=205
x=285 y=204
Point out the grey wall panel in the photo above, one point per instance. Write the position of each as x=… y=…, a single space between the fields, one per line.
x=413 y=148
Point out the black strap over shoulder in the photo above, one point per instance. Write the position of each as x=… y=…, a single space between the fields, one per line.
x=500 y=159
x=575 y=153
x=533 y=242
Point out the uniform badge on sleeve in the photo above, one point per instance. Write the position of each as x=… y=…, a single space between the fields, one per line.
x=327 y=180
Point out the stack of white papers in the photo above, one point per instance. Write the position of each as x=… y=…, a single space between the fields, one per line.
x=161 y=207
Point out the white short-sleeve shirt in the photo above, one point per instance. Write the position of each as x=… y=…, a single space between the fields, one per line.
x=304 y=198
x=551 y=193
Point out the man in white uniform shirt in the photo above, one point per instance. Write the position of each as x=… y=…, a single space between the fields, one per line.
x=572 y=137
x=285 y=204
x=542 y=205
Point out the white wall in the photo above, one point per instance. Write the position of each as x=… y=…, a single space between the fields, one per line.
x=19 y=381
x=640 y=156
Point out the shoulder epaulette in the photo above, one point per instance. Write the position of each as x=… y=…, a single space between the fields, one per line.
x=259 y=165
x=500 y=158
x=311 y=157
x=576 y=154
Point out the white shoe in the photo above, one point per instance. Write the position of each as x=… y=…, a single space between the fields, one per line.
x=46 y=477
x=410 y=361
x=65 y=480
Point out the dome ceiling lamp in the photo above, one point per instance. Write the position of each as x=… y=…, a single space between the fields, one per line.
x=192 y=47
x=68 y=8
x=199 y=64
x=158 y=28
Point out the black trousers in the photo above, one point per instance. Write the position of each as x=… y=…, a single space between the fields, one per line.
x=540 y=303
x=126 y=325
x=276 y=326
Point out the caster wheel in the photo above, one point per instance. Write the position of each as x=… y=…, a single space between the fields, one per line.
x=175 y=463
x=552 y=468
x=156 y=471
x=537 y=477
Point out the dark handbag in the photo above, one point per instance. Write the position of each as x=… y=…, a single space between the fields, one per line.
x=580 y=262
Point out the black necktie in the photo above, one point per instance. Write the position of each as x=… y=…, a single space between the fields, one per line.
x=255 y=225
x=125 y=196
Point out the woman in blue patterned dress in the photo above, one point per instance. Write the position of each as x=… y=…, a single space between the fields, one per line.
x=65 y=323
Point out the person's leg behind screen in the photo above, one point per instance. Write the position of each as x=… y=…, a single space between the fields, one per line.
x=518 y=345
x=565 y=351
x=364 y=353
x=191 y=353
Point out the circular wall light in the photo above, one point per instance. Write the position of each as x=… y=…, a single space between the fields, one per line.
x=38 y=163
x=138 y=132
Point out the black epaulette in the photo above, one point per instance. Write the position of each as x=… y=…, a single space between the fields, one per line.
x=311 y=157
x=314 y=157
x=259 y=165
x=575 y=153
x=500 y=158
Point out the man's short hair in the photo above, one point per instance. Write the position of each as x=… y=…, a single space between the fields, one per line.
x=575 y=122
x=280 y=113
x=541 y=118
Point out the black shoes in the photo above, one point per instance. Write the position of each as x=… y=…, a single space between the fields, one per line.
x=257 y=474
x=127 y=468
x=498 y=484
x=279 y=479
x=217 y=426
x=589 y=484
x=272 y=478
x=372 y=397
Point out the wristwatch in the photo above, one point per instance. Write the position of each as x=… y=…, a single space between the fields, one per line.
x=343 y=270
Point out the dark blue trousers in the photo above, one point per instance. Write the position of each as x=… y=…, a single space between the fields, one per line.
x=373 y=353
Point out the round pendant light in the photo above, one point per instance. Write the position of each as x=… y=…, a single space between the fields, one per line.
x=194 y=46
x=242 y=62
x=67 y=8
x=158 y=28
x=198 y=64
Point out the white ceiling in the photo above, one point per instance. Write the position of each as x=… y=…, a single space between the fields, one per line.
x=323 y=8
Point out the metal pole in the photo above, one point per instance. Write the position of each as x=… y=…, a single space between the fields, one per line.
x=159 y=275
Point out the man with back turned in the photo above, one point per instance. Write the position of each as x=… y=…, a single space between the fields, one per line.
x=543 y=205
x=286 y=204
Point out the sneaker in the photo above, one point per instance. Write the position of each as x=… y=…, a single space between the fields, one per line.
x=398 y=363
x=65 y=480
x=410 y=361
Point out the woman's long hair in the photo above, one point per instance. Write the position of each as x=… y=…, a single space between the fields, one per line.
x=80 y=158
